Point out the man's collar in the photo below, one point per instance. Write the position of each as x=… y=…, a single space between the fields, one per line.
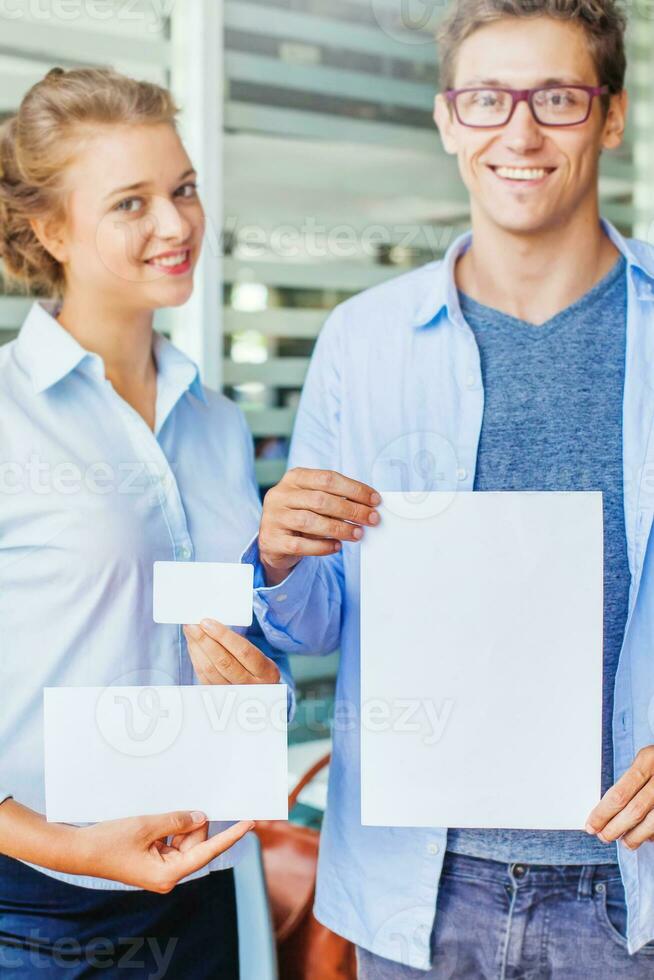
x=442 y=294
x=50 y=353
x=640 y=260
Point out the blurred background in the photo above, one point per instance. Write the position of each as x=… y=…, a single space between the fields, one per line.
x=321 y=172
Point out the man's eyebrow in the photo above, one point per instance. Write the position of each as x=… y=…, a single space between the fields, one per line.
x=471 y=82
x=144 y=183
x=497 y=83
x=565 y=80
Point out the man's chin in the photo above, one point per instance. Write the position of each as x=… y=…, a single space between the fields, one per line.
x=521 y=223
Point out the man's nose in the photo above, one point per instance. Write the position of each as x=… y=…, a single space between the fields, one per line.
x=522 y=132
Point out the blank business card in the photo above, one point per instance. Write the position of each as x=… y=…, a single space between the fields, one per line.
x=190 y=591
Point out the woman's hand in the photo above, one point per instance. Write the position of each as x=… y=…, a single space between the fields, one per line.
x=134 y=850
x=221 y=656
x=626 y=810
x=137 y=851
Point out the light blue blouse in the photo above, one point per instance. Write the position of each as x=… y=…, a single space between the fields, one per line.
x=90 y=497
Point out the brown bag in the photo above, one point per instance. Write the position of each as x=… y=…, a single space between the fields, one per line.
x=306 y=950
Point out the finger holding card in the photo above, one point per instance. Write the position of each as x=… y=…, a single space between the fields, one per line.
x=221 y=656
x=204 y=592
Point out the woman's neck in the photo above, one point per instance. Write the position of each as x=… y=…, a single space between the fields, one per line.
x=122 y=339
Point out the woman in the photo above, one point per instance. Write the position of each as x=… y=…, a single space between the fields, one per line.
x=112 y=456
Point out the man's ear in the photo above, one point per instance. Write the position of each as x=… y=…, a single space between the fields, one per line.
x=615 y=122
x=50 y=233
x=445 y=123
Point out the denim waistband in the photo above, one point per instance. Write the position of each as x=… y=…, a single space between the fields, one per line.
x=582 y=877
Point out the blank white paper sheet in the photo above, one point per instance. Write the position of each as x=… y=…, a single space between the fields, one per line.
x=481 y=660
x=126 y=751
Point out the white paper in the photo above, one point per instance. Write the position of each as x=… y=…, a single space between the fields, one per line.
x=481 y=658
x=189 y=591
x=126 y=751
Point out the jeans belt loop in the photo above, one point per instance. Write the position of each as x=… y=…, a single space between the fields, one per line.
x=586 y=875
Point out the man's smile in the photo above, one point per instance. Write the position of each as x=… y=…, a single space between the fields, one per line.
x=526 y=176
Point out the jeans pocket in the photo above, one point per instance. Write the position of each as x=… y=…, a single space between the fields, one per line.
x=611 y=909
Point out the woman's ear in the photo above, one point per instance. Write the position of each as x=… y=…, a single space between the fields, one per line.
x=615 y=122
x=50 y=233
x=445 y=123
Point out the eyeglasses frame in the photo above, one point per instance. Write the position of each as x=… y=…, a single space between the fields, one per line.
x=524 y=95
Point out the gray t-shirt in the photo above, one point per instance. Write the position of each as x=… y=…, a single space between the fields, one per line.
x=553 y=421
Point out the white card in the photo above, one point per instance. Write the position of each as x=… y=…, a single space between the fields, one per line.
x=126 y=751
x=189 y=591
x=481 y=659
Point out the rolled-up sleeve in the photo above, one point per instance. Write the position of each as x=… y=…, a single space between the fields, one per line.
x=302 y=614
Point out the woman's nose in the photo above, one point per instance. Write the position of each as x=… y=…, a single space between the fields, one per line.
x=168 y=222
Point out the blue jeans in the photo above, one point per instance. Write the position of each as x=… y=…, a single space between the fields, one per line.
x=524 y=922
x=51 y=929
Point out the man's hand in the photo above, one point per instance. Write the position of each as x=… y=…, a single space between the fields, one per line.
x=221 y=656
x=310 y=512
x=626 y=810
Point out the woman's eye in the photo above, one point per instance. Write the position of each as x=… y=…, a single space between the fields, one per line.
x=187 y=190
x=130 y=204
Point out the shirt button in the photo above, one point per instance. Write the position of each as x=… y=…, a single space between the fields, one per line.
x=471 y=380
x=184 y=553
x=433 y=848
x=282 y=598
x=461 y=473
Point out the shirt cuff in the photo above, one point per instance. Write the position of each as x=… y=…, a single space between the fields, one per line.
x=278 y=604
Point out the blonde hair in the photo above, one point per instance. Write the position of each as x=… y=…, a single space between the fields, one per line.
x=38 y=144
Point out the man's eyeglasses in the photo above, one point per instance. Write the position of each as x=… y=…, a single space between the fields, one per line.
x=552 y=105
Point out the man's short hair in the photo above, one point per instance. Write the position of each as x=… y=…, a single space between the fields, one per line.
x=602 y=20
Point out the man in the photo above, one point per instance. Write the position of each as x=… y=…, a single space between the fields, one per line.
x=522 y=361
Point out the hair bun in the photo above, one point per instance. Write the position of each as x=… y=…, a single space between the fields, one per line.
x=54 y=74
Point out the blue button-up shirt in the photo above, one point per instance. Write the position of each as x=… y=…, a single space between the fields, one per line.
x=90 y=498
x=394 y=395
